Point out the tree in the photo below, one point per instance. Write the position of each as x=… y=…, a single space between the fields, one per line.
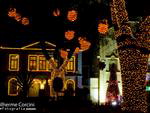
x=59 y=72
x=24 y=80
x=133 y=53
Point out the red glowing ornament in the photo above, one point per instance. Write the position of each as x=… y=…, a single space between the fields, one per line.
x=56 y=12
x=63 y=54
x=72 y=15
x=18 y=17
x=103 y=27
x=69 y=35
x=25 y=21
x=12 y=12
x=77 y=50
x=84 y=44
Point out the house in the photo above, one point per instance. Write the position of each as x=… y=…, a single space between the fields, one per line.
x=28 y=65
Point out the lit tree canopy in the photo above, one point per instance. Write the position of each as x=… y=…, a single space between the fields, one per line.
x=133 y=53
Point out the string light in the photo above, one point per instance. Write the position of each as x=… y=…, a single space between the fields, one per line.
x=133 y=59
x=25 y=21
x=18 y=17
x=118 y=12
x=103 y=27
x=133 y=66
x=56 y=12
x=69 y=35
x=84 y=44
x=63 y=54
x=72 y=15
x=13 y=14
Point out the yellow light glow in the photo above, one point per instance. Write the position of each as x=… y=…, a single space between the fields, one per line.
x=42 y=84
x=13 y=62
x=94 y=89
x=103 y=86
x=70 y=81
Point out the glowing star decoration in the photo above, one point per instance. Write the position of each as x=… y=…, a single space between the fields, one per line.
x=63 y=54
x=25 y=21
x=12 y=12
x=84 y=44
x=72 y=15
x=103 y=27
x=69 y=35
x=56 y=12
x=18 y=17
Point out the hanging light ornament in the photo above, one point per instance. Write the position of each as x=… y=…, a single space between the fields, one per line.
x=12 y=12
x=25 y=21
x=103 y=27
x=69 y=35
x=72 y=15
x=63 y=54
x=77 y=50
x=84 y=44
x=18 y=17
x=56 y=12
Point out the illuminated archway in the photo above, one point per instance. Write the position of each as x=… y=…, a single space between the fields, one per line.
x=70 y=82
x=12 y=87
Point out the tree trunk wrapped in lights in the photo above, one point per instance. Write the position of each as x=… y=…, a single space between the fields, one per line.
x=60 y=71
x=133 y=54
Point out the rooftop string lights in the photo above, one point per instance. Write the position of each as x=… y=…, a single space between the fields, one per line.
x=133 y=54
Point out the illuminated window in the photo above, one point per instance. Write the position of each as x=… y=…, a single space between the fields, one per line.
x=71 y=65
x=14 y=62
x=42 y=63
x=32 y=63
x=12 y=87
x=38 y=63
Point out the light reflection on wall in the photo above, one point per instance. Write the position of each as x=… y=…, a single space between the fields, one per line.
x=94 y=89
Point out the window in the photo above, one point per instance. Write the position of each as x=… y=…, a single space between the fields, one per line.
x=12 y=87
x=38 y=63
x=32 y=62
x=42 y=63
x=71 y=65
x=14 y=62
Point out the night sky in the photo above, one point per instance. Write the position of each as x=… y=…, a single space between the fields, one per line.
x=43 y=25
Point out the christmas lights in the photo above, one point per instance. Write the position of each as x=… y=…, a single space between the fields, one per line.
x=12 y=12
x=69 y=35
x=72 y=15
x=133 y=54
x=133 y=66
x=103 y=28
x=56 y=12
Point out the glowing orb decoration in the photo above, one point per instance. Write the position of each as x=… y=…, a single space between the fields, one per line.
x=77 y=50
x=56 y=12
x=102 y=28
x=18 y=17
x=25 y=21
x=63 y=54
x=12 y=12
x=69 y=35
x=72 y=15
x=84 y=44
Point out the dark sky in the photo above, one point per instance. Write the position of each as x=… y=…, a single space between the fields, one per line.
x=43 y=25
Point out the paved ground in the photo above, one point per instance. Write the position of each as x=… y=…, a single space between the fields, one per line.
x=63 y=105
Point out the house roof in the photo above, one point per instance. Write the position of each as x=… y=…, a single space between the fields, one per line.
x=32 y=46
